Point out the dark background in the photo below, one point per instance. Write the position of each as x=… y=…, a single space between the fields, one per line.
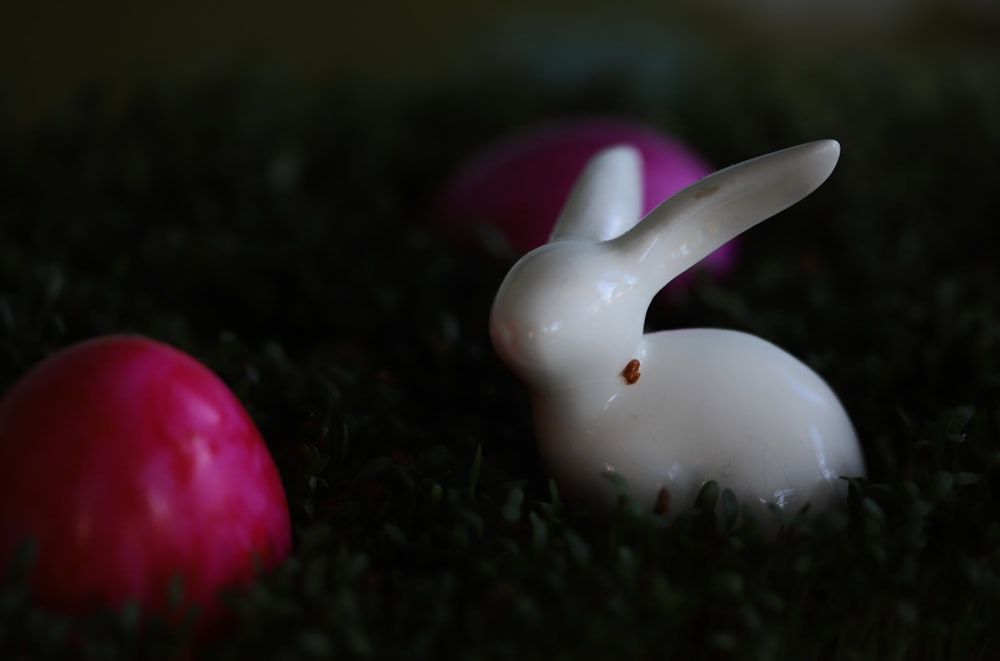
x=50 y=50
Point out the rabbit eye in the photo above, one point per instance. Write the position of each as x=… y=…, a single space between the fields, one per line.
x=631 y=371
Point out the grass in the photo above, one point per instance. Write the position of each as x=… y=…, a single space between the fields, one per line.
x=281 y=241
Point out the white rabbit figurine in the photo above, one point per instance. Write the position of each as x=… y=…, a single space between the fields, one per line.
x=671 y=409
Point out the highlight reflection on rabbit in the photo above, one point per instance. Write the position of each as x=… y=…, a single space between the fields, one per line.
x=671 y=409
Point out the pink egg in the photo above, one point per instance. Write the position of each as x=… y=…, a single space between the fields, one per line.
x=516 y=187
x=130 y=464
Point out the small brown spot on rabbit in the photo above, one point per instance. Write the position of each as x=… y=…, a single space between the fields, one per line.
x=662 y=502
x=631 y=372
x=705 y=192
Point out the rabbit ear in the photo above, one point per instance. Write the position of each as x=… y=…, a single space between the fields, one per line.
x=691 y=224
x=607 y=198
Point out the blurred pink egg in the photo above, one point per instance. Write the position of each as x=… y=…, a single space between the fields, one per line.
x=510 y=193
x=131 y=464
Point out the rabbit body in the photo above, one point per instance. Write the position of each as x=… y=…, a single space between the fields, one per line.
x=673 y=409
x=708 y=404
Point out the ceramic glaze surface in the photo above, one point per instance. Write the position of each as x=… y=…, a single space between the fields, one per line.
x=671 y=409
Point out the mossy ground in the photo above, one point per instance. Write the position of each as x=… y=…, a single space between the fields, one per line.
x=283 y=243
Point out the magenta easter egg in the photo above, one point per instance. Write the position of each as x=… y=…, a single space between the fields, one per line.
x=516 y=187
x=130 y=464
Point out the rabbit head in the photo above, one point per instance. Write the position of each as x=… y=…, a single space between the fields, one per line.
x=564 y=299
x=572 y=311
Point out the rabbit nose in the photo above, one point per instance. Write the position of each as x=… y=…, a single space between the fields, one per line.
x=506 y=336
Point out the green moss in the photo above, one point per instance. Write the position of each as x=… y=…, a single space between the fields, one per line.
x=284 y=245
